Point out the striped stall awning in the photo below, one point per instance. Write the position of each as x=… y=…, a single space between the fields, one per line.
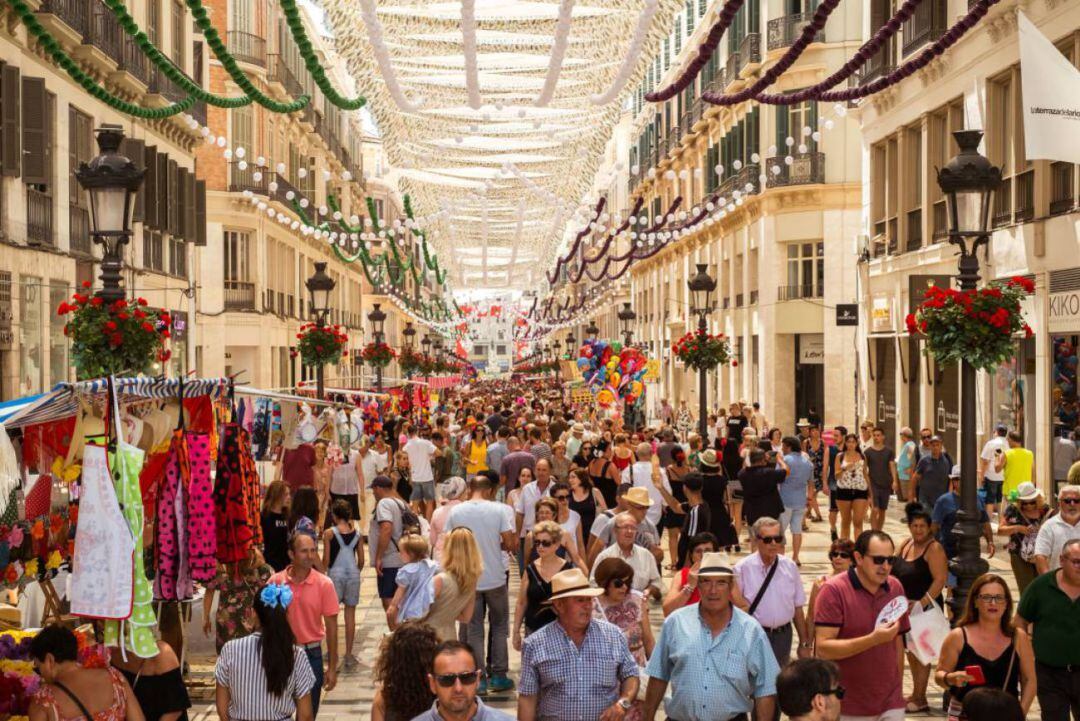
x=440 y=382
x=63 y=400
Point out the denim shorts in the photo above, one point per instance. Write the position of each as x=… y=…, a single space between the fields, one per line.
x=387 y=583
x=792 y=518
x=347 y=586
x=422 y=491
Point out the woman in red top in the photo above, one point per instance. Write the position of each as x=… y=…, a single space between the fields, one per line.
x=623 y=456
x=683 y=591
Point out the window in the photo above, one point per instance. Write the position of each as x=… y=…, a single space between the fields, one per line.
x=500 y=350
x=153 y=21
x=31 y=350
x=884 y=170
x=237 y=249
x=805 y=271
x=941 y=147
x=153 y=250
x=1014 y=202
x=911 y=188
x=58 y=365
x=80 y=140
x=178 y=43
x=177 y=257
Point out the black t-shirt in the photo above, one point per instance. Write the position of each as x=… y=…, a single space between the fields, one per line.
x=275 y=528
x=878 y=464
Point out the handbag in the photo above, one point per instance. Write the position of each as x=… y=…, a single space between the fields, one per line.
x=929 y=627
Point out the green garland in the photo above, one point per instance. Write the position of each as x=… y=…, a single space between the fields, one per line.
x=307 y=52
x=61 y=58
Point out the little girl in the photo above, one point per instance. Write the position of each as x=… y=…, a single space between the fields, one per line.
x=415 y=582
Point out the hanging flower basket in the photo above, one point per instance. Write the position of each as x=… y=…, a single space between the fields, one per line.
x=378 y=355
x=318 y=346
x=702 y=351
x=973 y=325
x=411 y=362
x=123 y=337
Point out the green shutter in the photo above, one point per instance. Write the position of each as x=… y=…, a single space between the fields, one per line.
x=781 y=130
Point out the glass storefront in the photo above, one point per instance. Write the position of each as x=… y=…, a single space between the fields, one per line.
x=31 y=347
x=1011 y=402
x=58 y=361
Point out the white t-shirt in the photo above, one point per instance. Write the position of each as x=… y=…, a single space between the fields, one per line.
x=344 y=481
x=640 y=474
x=372 y=464
x=525 y=504
x=988 y=455
x=570 y=526
x=487 y=521
x=419 y=451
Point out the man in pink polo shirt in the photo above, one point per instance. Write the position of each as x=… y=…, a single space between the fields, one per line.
x=869 y=655
x=312 y=613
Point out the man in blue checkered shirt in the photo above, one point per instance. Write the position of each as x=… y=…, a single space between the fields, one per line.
x=576 y=668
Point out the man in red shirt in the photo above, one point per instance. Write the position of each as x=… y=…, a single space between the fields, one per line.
x=312 y=613
x=870 y=655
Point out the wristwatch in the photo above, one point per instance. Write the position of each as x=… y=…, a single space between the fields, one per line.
x=626 y=703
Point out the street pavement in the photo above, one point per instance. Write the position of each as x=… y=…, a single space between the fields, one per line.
x=351 y=700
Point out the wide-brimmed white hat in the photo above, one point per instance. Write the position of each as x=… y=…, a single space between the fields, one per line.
x=1027 y=491
x=716 y=563
x=570 y=584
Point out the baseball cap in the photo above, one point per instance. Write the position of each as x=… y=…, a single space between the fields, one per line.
x=381 y=481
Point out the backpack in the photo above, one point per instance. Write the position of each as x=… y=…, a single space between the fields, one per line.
x=410 y=522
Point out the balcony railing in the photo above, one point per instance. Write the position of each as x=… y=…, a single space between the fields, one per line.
x=239 y=295
x=1062 y=187
x=244 y=179
x=929 y=23
x=783 y=31
x=731 y=69
x=914 y=230
x=198 y=112
x=753 y=297
x=105 y=32
x=750 y=49
x=805 y=169
x=160 y=84
x=739 y=300
x=247 y=47
x=941 y=220
x=798 y=292
x=79 y=220
x=74 y=13
x=879 y=65
x=747 y=175
x=726 y=303
x=39 y=218
x=279 y=71
x=134 y=61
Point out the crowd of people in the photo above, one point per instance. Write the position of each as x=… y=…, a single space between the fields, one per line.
x=501 y=480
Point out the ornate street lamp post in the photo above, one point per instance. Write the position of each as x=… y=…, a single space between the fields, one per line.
x=626 y=317
x=557 y=356
x=968 y=182
x=377 y=318
x=112 y=180
x=701 y=287
x=592 y=331
x=426 y=343
x=319 y=286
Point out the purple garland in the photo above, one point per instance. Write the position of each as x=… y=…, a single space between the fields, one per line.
x=553 y=274
x=704 y=54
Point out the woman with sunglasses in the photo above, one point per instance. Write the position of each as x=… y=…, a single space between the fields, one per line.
x=475 y=451
x=585 y=499
x=628 y=609
x=569 y=519
x=986 y=638
x=841 y=560
x=1022 y=520
x=532 y=608
x=922 y=569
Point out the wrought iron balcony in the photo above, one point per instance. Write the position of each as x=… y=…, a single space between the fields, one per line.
x=162 y=85
x=805 y=169
x=74 y=13
x=79 y=231
x=39 y=218
x=239 y=295
x=750 y=49
x=747 y=175
x=105 y=32
x=134 y=61
x=1062 y=187
x=798 y=292
x=244 y=179
x=247 y=47
x=914 y=230
x=731 y=69
x=783 y=31
x=879 y=65
x=929 y=23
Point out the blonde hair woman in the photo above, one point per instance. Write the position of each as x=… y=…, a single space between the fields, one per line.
x=455 y=585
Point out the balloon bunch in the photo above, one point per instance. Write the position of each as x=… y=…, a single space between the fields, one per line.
x=611 y=371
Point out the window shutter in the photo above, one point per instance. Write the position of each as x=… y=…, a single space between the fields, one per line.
x=200 y=212
x=172 y=175
x=781 y=130
x=161 y=170
x=149 y=192
x=813 y=123
x=11 y=121
x=181 y=203
x=73 y=155
x=135 y=150
x=189 y=206
x=35 y=168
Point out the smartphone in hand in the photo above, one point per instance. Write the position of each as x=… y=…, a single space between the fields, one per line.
x=976 y=674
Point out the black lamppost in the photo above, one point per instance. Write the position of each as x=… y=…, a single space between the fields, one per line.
x=592 y=331
x=626 y=317
x=426 y=343
x=701 y=287
x=319 y=286
x=407 y=335
x=377 y=318
x=557 y=346
x=570 y=343
x=968 y=182
x=112 y=181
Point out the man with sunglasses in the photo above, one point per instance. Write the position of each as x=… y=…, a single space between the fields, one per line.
x=1058 y=530
x=772 y=584
x=809 y=690
x=453 y=679
x=847 y=631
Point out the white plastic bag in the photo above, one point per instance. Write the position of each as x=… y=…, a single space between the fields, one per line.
x=929 y=627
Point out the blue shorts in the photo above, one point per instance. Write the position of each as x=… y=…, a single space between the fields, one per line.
x=792 y=518
x=387 y=583
x=347 y=586
x=422 y=491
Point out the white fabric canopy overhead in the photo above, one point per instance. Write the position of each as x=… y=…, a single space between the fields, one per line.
x=497 y=113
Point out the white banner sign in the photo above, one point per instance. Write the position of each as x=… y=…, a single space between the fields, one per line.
x=1051 y=97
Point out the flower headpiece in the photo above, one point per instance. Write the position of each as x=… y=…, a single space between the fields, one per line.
x=275 y=594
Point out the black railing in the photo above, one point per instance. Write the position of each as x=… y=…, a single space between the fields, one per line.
x=247 y=47
x=105 y=32
x=198 y=112
x=929 y=23
x=39 y=218
x=74 y=13
x=726 y=302
x=805 y=169
x=79 y=231
x=738 y=300
x=783 y=31
x=731 y=69
x=162 y=85
x=134 y=61
x=941 y=220
x=753 y=297
x=746 y=175
x=1024 y=204
x=798 y=292
x=1002 y=211
x=750 y=49
x=879 y=65
x=239 y=295
x=1062 y=187
x=241 y=179
x=279 y=71
x=914 y=229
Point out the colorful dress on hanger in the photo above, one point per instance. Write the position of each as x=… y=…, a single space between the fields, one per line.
x=231 y=491
x=136 y=633
x=186 y=542
x=102 y=574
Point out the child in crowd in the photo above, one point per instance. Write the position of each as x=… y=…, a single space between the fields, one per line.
x=415 y=582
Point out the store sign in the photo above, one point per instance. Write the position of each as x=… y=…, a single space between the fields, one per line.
x=7 y=336
x=919 y=284
x=885 y=411
x=1064 y=311
x=847 y=314
x=881 y=315
x=946 y=420
x=812 y=349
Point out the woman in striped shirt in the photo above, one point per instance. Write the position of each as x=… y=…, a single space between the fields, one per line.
x=265 y=676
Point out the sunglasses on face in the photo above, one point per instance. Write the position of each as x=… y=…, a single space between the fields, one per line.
x=839 y=554
x=1071 y=501
x=446 y=680
x=882 y=560
x=838 y=692
x=545 y=543
x=1024 y=504
x=771 y=539
x=561 y=497
x=620 y=583
x=925 y=438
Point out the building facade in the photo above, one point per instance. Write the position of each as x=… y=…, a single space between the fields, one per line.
x=907 y=134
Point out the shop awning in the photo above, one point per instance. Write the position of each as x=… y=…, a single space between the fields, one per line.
x=63 y=400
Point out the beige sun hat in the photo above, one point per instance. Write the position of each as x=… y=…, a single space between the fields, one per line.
x=638 y=496
x=570 y=584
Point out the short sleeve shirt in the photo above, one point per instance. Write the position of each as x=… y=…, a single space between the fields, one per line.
x=420 y=451
x=1056 y=619
x=487 y=521
x=873 y=678
x=878 y=462
x=313 y=598
x=239 y=669
x=388 y=510
x=988 y=453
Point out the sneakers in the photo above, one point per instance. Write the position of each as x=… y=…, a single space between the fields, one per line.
x=501 y=683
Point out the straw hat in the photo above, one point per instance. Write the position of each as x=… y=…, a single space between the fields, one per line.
x=1027 y=491
x=803 y=423
x=708 y=458
x=638 y=496
x=715 y=564
x=571 y=584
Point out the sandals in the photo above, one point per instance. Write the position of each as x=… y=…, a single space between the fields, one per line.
x=912 y=707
